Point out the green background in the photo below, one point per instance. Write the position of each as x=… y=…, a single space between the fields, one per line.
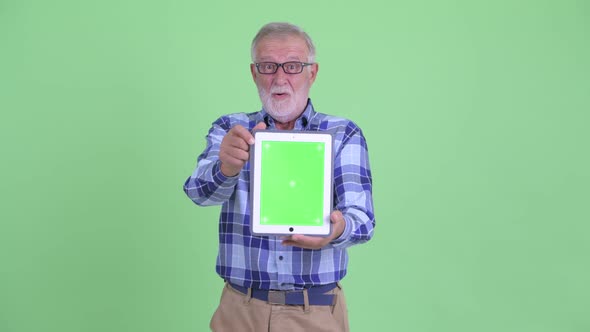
x=476 y=115
x=292 y=183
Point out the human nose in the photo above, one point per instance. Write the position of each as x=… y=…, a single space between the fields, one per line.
x=280 y=76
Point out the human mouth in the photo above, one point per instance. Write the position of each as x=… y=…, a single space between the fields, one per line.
x=280 y=95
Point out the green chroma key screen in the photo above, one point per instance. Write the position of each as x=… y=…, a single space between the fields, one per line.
x=292 y=183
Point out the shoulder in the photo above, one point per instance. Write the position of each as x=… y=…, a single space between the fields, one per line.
x=342 y=128
x=247 y=120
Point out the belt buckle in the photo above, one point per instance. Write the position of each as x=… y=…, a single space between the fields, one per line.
x=277 y=297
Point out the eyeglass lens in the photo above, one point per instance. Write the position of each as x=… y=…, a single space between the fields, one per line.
x=292 y=67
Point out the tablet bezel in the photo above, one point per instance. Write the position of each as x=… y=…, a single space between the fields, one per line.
x=260 y=136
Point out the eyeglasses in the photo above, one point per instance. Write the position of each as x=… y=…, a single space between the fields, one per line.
x=291 y=67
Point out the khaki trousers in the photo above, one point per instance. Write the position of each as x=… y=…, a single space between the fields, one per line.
x=238 y=312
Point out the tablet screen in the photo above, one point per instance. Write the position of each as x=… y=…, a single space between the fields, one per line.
x=292 y=183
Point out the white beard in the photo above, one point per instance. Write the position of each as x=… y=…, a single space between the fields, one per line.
x=282 y=111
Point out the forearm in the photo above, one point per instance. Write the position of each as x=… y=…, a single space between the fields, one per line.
x=208 y=186
x=359 y=227
x=353 y=190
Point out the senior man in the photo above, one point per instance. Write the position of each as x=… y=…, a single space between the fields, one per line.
x=278 y=283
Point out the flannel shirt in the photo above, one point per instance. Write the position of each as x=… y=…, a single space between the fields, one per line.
x=261 y=261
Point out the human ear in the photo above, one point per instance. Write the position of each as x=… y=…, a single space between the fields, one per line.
x=253 y=71
x=314 y=71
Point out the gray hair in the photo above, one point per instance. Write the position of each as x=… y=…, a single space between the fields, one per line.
x=282 y=29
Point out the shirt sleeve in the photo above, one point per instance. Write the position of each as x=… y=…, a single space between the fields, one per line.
x=207 y=185
x=353 y=188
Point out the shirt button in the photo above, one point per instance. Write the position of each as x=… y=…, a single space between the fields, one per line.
x=280 y=258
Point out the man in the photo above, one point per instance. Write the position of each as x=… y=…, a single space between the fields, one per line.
x=276 y=283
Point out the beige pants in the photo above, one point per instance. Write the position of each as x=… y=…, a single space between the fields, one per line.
x=239 y=313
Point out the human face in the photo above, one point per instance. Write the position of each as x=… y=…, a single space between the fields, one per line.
x=284 y=96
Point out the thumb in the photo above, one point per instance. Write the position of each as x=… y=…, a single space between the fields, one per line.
x=339 y=224
x=259 y=126
x=336 y=217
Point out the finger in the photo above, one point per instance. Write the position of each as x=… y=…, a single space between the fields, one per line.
x=237 y=153
x=243 y=133
x=299 y=244
x=232 y=162
x=303 y=241
x=338 y=224
x=290 y=240
x=336 y=217
x=238 y=142
x=260 y=126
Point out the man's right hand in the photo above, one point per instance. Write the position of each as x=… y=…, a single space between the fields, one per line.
x=235 y=147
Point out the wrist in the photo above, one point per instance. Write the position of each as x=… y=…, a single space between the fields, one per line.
x=226 y=171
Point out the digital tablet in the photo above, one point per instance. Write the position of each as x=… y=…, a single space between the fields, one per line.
x=291 y=175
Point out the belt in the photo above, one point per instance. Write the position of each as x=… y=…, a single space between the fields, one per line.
x=315 y=295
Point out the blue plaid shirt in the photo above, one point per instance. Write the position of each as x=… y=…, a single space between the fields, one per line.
x=261 y=261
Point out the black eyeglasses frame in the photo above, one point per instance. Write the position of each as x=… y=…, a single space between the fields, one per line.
x=303 y=65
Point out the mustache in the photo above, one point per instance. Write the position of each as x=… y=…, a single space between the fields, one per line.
x=280 y=89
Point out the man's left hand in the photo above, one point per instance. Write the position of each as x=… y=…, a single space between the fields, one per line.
x=314 y=242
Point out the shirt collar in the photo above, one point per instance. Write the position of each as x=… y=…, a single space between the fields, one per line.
x=301 y=123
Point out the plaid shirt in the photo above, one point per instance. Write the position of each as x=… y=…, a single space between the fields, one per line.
x=261 y=261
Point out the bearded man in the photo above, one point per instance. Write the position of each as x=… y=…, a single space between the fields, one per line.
x=282 y=283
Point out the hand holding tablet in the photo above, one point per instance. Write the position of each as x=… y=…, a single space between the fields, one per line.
x=291 y=182
x=314 y=242
x=233 y=152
